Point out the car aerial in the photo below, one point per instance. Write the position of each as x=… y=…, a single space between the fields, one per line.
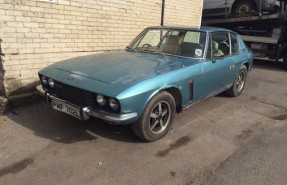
x=162 y=72
x=213 y=8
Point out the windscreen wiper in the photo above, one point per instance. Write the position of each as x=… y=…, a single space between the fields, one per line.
x=129 y=48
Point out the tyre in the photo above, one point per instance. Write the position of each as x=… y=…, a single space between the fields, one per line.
x=156 y=118
x=239 y=84
x=243 y=7
x=285 y=61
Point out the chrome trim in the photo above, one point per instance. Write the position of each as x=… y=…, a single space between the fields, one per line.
x=86 y=112
x=40 y=90
x=111 y=117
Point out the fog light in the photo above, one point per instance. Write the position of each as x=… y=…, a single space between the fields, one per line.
x=101 y=100
x=44 y=80
x=114 y=104
x=51 y=83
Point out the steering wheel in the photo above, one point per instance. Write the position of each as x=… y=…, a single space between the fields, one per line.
x=146 y=46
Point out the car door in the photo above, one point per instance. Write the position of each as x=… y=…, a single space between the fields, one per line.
x=219 y=68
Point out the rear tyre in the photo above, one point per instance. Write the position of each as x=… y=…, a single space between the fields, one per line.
x=239 y=84
x=156 y=118
x=243 y=7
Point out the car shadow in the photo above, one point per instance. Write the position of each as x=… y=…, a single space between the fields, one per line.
x=59 y=127
x=268 y=65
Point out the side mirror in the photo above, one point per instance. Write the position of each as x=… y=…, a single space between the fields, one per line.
x=217 y=56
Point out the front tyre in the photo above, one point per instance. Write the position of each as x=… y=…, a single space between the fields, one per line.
x=239 y=84
x=156 y=118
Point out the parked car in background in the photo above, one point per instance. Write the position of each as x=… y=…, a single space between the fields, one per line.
x=213 y=8
x=162 y=72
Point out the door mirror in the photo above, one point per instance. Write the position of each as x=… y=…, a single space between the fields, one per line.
x=219 y=55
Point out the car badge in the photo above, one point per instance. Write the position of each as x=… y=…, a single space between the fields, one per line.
x=71 y=78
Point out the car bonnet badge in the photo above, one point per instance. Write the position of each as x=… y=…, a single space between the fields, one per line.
x=71 y=78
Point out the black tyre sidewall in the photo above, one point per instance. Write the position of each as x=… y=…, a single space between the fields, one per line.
x=141 y=128
x=233 y=90
x=236 y=7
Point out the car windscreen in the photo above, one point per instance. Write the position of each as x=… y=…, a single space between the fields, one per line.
x=186 y=43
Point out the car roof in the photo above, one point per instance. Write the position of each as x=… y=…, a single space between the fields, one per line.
x=202 y=28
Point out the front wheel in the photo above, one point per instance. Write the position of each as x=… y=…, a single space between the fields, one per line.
x=239 y=84
x=156 y=118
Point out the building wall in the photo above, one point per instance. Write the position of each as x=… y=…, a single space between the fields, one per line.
x=35 y=33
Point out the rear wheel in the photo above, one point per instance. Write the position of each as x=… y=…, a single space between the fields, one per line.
x=156 y=118
x=239 y=84
x=243 y=7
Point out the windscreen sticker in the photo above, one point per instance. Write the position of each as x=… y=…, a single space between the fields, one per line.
x=198 y=52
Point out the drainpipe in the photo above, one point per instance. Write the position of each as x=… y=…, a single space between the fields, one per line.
x=162 y=12
x=2 y=89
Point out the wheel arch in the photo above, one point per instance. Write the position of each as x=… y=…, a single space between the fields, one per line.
x=175 y=93
x=177 y=96
x=247 y=65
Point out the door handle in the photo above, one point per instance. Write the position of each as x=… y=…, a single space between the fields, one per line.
x=231 y=67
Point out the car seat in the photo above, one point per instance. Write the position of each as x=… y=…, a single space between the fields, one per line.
x=171 y=45
x=223 y=46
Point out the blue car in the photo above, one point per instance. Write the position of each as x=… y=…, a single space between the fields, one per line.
x=162 y=72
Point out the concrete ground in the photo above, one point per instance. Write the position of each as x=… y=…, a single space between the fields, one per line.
x=220 y=141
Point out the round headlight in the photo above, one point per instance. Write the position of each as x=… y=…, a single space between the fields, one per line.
x=44 y=80
x=114 y=104
x=101 y=100
x=51 y=83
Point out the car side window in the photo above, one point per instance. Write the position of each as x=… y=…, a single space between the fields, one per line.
x=220 y=44
x=234 y=44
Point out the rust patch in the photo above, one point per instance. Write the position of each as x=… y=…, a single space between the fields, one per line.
x=179 y=143
x=16 y=167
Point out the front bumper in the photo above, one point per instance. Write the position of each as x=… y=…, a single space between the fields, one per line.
x=86 y=112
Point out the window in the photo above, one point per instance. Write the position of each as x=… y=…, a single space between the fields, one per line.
x=220 y=44
x=193 y=43
x=234 y=44
x=152 y=38
x=181 y=42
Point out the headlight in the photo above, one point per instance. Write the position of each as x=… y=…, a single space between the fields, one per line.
x=51 y=83
x=44 y=80
x=101 y=100
x=114 y=104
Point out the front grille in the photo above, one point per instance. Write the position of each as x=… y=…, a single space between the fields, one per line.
x=74 y=95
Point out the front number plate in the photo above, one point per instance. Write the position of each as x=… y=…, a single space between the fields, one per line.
x=66 y=108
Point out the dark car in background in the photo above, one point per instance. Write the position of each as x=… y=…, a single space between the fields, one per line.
x=213 y=8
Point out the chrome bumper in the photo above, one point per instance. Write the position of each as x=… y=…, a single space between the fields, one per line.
x=86 y=112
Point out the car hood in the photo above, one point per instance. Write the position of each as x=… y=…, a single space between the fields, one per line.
x=121 y=66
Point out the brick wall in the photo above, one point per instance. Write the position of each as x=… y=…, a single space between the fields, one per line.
x=35 y=33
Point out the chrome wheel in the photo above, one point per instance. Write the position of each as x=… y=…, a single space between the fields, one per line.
x=240 y=81
x=159 y=117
